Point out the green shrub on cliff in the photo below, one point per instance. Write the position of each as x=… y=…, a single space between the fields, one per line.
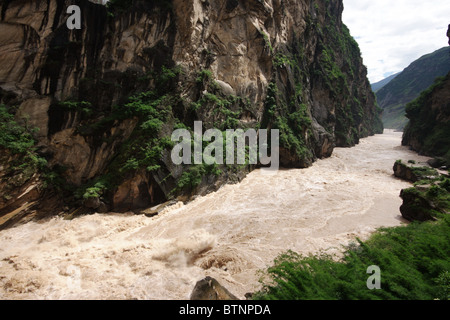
x=13 y=136
x=18 y=140
x=413 y=261
x=446 y=184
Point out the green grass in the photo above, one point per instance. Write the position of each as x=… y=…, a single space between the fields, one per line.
x=414 y=262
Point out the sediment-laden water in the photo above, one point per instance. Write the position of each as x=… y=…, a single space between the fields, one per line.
x=229 y=235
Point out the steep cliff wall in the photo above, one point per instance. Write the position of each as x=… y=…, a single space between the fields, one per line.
x=428 y=131
x=106 y=98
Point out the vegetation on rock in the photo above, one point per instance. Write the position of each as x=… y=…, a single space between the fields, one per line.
x=428 y=131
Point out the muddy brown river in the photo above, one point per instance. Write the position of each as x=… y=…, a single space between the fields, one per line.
x=230 y=234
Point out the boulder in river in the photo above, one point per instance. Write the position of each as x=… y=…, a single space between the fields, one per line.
x=210 y=289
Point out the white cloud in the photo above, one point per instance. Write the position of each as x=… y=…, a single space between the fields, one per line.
x=392 y=34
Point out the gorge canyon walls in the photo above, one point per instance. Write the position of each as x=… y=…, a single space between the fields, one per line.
x=106 y=98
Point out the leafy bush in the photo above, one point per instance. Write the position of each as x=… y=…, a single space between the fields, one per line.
x=435 y=191
x=424 y=172
x=14 y=137
x=204 y=76
x=191 y=178
x=291 y=136
x=81 y=106
x=443 y=283
x=281 y=60
x=152 y=126
x=94 y=192
x=446 y=184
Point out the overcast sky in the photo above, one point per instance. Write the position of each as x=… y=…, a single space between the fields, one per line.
x=392 y=34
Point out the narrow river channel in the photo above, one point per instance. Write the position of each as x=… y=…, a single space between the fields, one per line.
x=229 y=234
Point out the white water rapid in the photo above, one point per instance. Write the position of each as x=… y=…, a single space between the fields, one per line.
x=229 y=235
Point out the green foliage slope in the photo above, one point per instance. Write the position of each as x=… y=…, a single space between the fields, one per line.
x=413 y=261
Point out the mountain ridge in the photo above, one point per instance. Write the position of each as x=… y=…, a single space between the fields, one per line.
x=380 y=84
x=408 y=85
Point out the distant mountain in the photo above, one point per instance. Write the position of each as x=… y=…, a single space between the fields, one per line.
x=380 y=84
x=408 y=85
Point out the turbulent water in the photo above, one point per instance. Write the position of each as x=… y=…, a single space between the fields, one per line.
x=229 y=235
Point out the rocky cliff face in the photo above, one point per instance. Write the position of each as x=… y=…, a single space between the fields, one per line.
x=428 y=131
x=107 y=97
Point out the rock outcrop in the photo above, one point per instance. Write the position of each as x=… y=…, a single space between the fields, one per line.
x=107 y=97
x=416 y=207
x=413 y=173
x=429 y=197
x=210 y=289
